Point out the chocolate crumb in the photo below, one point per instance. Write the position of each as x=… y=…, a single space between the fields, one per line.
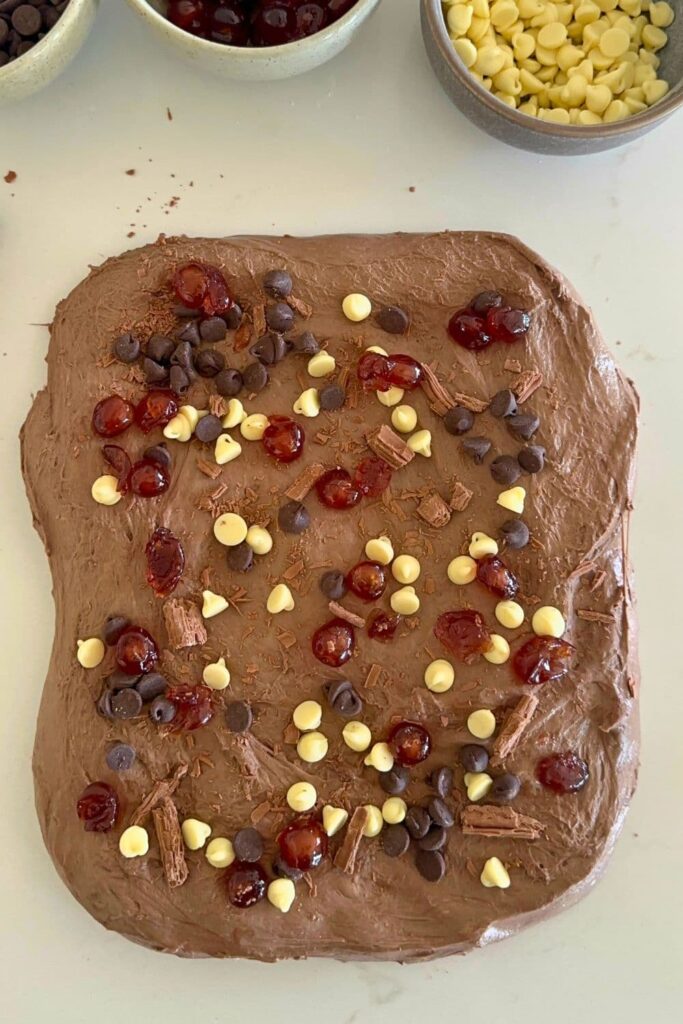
x=10 y=177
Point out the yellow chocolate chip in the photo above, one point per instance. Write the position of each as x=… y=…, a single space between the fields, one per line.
x=280 y=600
x=356 y=307
x=104 y=491
x=380 y=757
x=334 y=819
x=134 y=841
x=308 y=403
x=478 y=784
x=481 y=545
x=90 y=652
x=512 y=499
x=321 y=364
x=655 y=90
x=259 y=540
x=220 y=853
x=377 y=349
x=226 y=449
x=212 y=604
x=466 y=51
x=462 y=570
x=216 y=675
x=482 y=723
x=405 y=601
x=391 y=397
x=500 y=650
x=494 y=874
x=439 y=675
x=312 y=747
x=459 y=19
x=548 y=621
x=654 y=38
x=394 y=810
x=551 y=36
x=490 y=60
x=504 y=13
x=661 y=14
x=614 y=42
x=281 y=894
x=357 y=736
x=235 y=414
x=421 y=443
x=380 y=549
x=192 y=415
x=405 y=569
x=509 y=614
x=195 y=833
x=230 y=529
x=252 y=428
x=404 y=419
x=178 y=429
x=307 y=716
x=375 y=822
x=302 y=796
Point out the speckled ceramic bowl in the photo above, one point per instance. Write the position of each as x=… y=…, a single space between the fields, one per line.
x=527 y=132
x=50 y=56
x=256 y=63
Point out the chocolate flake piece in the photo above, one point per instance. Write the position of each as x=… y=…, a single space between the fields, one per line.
x=258 y=319
x=589 y=615
x=461 y=496
x=389 y=446
x=169 y=835
x=504 y=822
x=184 y=624
x=476 y=448
x=470 y=402
x=303 y=308
x=209 y=469
x=300 y=487
x=162 y=790
x=434 y=510
x=513 y=728
x=345 y=858
x=343 y=613
x=525 y=384
x=439 y=397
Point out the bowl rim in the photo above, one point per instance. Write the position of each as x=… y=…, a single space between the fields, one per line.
x=631 y=125
x=257 y=53
x=73 y=11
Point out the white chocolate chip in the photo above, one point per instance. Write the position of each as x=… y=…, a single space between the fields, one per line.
x=195 y=833
x=178 y=429
x=482 y=723
x=334 y=819
x=230 y=529
x=462 y=570
x=380 y=549
x=509 y=614
x=377 y=349
x=375 y=822
x=500 y=650
x=405 y=601
x=259 y=540
x=235 y=414
x=548 y=621
x=439 y=675
x=192 y=415
x=394 y=810
x=134 y=841
x=105 y=490
x=90 y=652
x=253 y=427
x=280 y=600
x=302 y=796
x=308 y=403
x=220 y=853
x=406 y=569
x=391 y=397
x=322 y=364
x=404 y=419
x=421 y=443
x=356 y=307
x=481 y=545
x=226 y=449
x=216 y=675
x=380 y=757
x=495 y=875
x=357 y=736
x=281 y=894
x=512 y=499
x=307 y=716
x=478 y=784
x=312 y=747
x=212 y=604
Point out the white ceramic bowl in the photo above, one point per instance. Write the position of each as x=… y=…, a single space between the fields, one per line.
x=256 y=63
x=50 y=56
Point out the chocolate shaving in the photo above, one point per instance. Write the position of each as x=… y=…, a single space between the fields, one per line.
x=345 y=858
x=321 y=438
x=588 y=615
x=373 y=676
x=600 y=578
x=438 y=396
x=184 y=623
x=217 y=406
x=525 y=384
x=291 y=735
x=343 y=613
x=210 y=469
x=582 y=569
x=461 y=496
x=304 y=309
x=167 y=828
x=300 y=487
x=260 y=812
x=504 y=822
x=294 y=570
x=258 y=319
x=470 y=402
x=513 y=728
x=160 y=791
x=434 y=510
x=512 y=365
x=242 y=336
x=286 y=638
x=390 y=447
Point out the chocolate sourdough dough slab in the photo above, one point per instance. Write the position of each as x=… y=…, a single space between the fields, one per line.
x=577 y=509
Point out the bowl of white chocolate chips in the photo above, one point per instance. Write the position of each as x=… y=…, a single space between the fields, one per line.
x=559 y=78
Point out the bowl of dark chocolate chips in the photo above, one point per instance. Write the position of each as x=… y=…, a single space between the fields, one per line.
x=38 y=39
x=256 y=40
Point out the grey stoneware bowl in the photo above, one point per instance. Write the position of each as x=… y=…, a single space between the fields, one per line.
x=255 y=63
x=527 y=132
x=37 y=68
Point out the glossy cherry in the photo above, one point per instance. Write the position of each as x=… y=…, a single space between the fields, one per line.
x=303 y=843
x=202 y=286
x=563 y=773
x=333 y=643
x=382 y=626
x=246 y=883
x=410 y=743
x=469 y=330
x=136 y=651
x=148 y=479
x=193 y=704
x=464 y=633
x=495 y=575
x=118 y=459
x=156 y=409
x=367 y=580
x=283 y=439
x=404 y=372
x=98 y=807
x=336 y=489
x=484 y=302
x=165 y=561
x=112 y=416
x=373 y=371
x=507 y=324
x=372 y=476
x=229 y=24
x=190 y=15
x=542 y=659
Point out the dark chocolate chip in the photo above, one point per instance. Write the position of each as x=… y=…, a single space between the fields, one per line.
x=283 y=870
x=212 y=329
x=162 y=710
x=532 y=458
x=505 y=787
x=277 y=283
x=26 y=20
x=208 y=429
x=208 y=362
x=184 y=312
x=333 y=584
x=120 y=680
x=436 y=839
x=474 y=758
x=4 y=31
x=504 y=403
x=476 y=448
x=248 y=845
x=270 y=348
x=343 y=698
x=393 y=320
x=240 y=557
x=441 y=813
x=294 y=517
x=228 y=382
x=126 y=703
x=505 y=470
x=280 y=317
x=332 y=397
x=524 y=424
x=459 y=420
x=25 y=45
x=160 y=349
x=113 y=628
x=190 y=333
x=417 y=821
x=305 y=344
x=482 y=303
x=160 y=454
x=4 y=58
x=126 y=347
x=238 y=716
x=395 y=781
x=255 y=377
x=515 y=533
x=179 y=380
x=120 y=757
x=183 y=357
x=441 y=780
x=151 y=685
x=395 y=840
x=103 y=703
x=155 y=373
x=233 y=318
x=430 y=864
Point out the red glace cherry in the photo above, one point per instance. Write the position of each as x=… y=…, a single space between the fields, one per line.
x=336 y=489
x=246 y=884
x=118 y=459
x=382 y=626
x=404 y=372
x=563 y=773
x=542 y=659
x=464 y=633
x=190 y=15
x=303 y=843
x=156 y=409
x=165 y=561
x=283 y=439
x=98 y=807
x=367 y=580
x=373 y=371
x=148 y=479
x=494 y=574
x=228 y=24
x=372 y=476
x=136 y=651
x=410 y=743
x=334 y=642
x=507 y=324
x=112 y=416
x=202 y=286
x=469 y=330
x=193 y=704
